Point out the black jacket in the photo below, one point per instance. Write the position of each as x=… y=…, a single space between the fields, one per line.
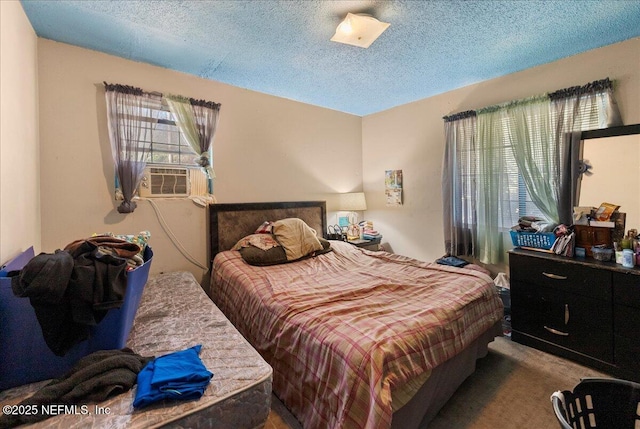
x=71 y=292
x=95 y=377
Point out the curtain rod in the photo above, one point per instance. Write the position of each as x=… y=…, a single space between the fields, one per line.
x=458 y=116
x=128 y=89
x=596 y=85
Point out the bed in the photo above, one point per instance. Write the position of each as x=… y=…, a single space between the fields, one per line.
x=356 y=338
x=175 y=314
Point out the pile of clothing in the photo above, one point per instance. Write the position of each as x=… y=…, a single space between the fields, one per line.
x=103 y=374
x=72 y=289
x=178 y=375
x=533 y=224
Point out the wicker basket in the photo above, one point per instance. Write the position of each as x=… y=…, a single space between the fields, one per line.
x=534 y=240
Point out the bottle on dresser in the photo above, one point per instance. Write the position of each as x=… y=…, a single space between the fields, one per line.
x=630 y=249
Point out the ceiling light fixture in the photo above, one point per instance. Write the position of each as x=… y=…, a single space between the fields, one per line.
x=359 y=30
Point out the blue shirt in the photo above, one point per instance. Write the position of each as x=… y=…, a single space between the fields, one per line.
x=179 y=375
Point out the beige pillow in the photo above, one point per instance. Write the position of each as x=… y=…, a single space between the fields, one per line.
x=297 y=238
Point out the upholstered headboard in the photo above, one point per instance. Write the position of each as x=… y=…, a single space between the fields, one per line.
x=228 y=223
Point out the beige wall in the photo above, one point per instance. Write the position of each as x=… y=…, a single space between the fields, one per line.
x=411 y=138
x=19 y=157
x=266 y=149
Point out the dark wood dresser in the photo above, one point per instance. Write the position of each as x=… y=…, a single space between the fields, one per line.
x=580 y=309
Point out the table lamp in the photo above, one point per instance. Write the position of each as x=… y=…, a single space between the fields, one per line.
x=352 y=202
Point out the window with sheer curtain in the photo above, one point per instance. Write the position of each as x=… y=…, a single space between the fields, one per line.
x=166 y=144
x=151 y=129
x=512 y=160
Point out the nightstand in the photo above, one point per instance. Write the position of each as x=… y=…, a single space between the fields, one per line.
x=367 y=244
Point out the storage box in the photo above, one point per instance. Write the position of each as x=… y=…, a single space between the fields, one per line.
x=602 y=254
x=24 y=355
x=534 y=240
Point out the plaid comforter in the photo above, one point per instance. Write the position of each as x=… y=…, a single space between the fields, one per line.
x=346 y=330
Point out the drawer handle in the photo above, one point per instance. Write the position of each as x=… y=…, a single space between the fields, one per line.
x=555 y=331
x=554 y=276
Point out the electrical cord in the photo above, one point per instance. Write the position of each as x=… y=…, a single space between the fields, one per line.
x=174 y=239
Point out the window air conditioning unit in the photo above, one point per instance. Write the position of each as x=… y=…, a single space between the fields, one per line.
x=164 y=182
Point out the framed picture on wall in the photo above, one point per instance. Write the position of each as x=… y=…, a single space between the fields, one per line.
x=393 y=187
x=393 y=179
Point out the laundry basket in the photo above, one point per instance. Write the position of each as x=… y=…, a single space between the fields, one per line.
x=600 y=403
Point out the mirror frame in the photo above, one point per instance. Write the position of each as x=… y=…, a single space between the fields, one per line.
x=624 y=130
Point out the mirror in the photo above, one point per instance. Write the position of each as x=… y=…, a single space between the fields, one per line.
x=612 y=157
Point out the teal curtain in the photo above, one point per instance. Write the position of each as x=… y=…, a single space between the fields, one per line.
x=516 y=144
x=532 y=139
x=198 y=121
x=495 y=174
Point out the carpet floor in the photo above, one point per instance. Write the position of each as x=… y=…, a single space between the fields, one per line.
x=510 y=389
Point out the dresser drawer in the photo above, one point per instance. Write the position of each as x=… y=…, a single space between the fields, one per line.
x=576 y=322
x=627 y=353
x=566 y=276
x=626 y=289
x=626 y=322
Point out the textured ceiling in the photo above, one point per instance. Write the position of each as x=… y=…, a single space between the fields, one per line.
x=282 y=47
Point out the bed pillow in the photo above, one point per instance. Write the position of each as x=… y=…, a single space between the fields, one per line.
x=297 y=238
x=254 y=256
x=276 y=255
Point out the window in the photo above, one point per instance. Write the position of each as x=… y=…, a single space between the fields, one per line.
x=166 y=143
x=146 y=132
x=171 y=170
x=503 y=162
x=516 y=200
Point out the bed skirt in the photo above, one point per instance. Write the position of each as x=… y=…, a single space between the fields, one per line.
x=442 y=384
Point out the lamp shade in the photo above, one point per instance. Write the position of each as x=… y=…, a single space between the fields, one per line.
x=352 y=201
x=359 y=30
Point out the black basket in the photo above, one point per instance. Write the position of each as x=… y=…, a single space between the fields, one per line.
x=600 y=403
